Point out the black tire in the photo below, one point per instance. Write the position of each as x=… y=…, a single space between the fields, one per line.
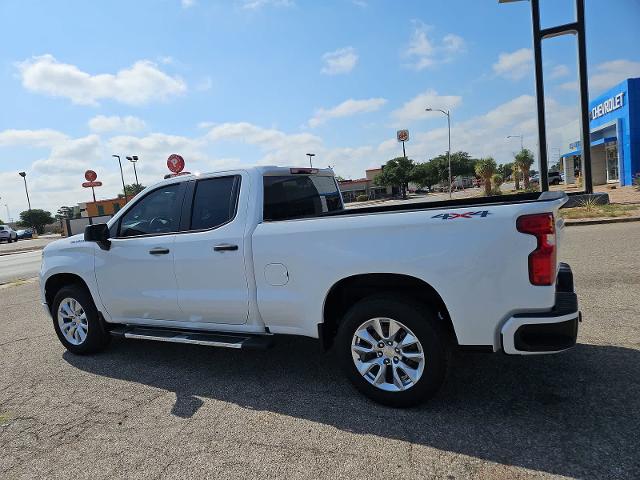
x=97 y=337
x=425 y=325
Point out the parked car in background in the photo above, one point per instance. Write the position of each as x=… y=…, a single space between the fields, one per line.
x=26 y=233
x=555 y=178
x=8 y=234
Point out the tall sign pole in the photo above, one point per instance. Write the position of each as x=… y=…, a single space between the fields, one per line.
x=403 y=136
x=576 y=28
x=90 y=177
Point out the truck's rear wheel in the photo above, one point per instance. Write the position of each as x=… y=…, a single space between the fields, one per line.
x=76 y=321
x=393 y=350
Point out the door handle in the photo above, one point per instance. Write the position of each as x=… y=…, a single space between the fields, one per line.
x=225 y=247
x=159 y=251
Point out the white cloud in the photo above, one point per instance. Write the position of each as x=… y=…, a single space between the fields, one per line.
x=266 y=138
x=339 y=61
x=423 y=52
x=514 y=65
x=142 y=83
x=346 y=109
x=257 y=4
x=559 y=71
x=187 y=3
x=101 y=124
x=31 y=138
x=606 y=75
x=414 y=109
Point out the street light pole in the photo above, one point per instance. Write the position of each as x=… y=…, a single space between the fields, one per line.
x=8 y=213
x=448 y=114
x=521 y=140
x=26 y=190
x=134 y=159
x=124 y=188
x=311 y=155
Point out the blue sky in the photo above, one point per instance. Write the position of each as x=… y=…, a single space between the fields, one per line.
x=240 y=82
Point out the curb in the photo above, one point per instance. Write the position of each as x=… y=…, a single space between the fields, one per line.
x=22 y=250
x=600 y=221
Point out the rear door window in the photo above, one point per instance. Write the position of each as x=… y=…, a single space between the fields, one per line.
x=214 y=202
x=288 y=197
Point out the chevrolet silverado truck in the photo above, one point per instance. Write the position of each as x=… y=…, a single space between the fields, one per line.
x=234 y=258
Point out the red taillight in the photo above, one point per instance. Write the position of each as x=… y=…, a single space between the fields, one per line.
x=542 y=261
x=309 y=171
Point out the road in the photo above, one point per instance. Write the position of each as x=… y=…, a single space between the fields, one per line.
x=150 y=410
x=19 y=266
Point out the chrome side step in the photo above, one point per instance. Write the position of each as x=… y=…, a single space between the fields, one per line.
x=222 y=340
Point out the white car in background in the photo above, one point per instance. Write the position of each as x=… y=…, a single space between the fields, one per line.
x=8 y=234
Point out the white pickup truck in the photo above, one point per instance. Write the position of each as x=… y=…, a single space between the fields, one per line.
x=232 y=258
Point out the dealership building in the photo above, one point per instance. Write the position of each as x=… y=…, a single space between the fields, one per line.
x=614 y=122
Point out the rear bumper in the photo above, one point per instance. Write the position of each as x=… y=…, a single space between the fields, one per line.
x=545 y=332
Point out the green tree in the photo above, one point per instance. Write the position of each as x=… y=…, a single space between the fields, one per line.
x=523 y=162
x=496 y=181
x=36 y=218
x=396 y=173
x=132 y=190
x=485 y=168
x=425 y=174
x=461 y=164
x=506 y=170
x=64 y=212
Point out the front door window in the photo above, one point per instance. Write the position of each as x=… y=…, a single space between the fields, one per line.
x=611 y=153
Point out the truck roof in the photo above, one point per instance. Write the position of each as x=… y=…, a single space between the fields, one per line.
x=263 y=170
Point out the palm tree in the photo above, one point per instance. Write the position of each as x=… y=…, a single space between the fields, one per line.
x=485 y=168
x=516 y=176
x=523 y=161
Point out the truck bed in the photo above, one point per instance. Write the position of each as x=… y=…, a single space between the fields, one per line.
x=458 y=203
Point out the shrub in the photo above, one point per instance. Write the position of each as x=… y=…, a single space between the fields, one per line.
x=362 y=198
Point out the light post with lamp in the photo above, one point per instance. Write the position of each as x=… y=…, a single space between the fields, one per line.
x=134 y=159
x=448 y=114
x=311 y=155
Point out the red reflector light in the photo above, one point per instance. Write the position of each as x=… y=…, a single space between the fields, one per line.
x=308 y=171
x=542 y=261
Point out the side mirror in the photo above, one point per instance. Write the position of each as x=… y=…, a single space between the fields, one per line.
x=98 y=233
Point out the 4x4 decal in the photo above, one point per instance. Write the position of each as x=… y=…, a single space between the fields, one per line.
x=451 y=216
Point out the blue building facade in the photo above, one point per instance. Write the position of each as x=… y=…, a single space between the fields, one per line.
x=614 y=122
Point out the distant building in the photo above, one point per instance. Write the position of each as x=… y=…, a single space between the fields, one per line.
x=352 y=189
x=615 y=137
x=100 y=208
x=378 y=191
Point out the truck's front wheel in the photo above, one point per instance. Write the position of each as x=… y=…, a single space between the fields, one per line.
x=76 y=321
x=393 y=350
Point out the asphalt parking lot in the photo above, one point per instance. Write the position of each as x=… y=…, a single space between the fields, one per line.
x=151 y=410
